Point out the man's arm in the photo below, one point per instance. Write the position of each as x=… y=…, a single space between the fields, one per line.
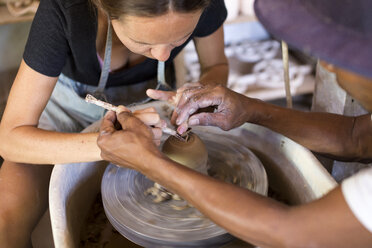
x=342 y=137
x=327 y=222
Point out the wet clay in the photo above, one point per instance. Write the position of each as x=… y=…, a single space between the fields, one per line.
x=191 y=153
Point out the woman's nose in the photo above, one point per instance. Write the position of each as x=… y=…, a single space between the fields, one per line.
x=161 y=53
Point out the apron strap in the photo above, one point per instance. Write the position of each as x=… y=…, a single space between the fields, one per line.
x=162 y=84
x=106 y=64
x=99 y=92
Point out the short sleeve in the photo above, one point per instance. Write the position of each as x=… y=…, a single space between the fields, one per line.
x=47 y=46
x=212 y=18
x=357 y=191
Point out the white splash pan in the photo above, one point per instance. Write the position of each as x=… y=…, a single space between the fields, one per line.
x=292 y=170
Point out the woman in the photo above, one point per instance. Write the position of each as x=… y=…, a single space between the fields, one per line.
x=330 y=30
x=61 y=64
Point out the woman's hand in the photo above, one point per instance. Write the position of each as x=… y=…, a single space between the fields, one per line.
x=133 y=145
x=151 y=118
x=174 y=98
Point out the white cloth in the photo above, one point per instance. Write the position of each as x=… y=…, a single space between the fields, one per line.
x=357 y=191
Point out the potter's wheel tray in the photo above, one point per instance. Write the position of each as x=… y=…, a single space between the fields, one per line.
x=171 y=223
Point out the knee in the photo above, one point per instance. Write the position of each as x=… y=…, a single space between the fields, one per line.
x=15 y=213
x=14 y=230
x=9 y=217
x=5 y=227
x=23 y=194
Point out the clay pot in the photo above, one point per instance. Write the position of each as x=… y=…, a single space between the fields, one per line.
x=191 y=153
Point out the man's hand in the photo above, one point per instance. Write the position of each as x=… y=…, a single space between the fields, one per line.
x=134 y=145
x=230 y=108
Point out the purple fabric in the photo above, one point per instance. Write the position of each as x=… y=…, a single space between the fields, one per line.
x=100 y=61
x=337 y=31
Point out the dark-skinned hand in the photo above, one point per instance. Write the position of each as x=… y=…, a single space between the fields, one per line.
x=230 y=108
x=134 y=144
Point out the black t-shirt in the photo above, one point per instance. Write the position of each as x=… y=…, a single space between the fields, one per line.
x=63 y=39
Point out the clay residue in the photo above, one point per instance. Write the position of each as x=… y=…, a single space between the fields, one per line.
x=161 y=194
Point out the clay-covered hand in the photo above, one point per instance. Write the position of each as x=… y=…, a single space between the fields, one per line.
x=133 y=144
x=230 y=108
x=174 y=98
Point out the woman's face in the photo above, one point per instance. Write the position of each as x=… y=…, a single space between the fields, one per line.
x=155 y=37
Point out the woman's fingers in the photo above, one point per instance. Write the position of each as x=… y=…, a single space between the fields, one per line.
x=122 y=108
x=145 y=110
x=148 y=116
x=161 y=124
x=161 y=95
x=150 y=119
x=157 y=133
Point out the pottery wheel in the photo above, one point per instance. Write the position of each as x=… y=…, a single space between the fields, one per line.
x=170 y=223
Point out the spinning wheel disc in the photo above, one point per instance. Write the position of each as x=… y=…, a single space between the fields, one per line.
x=170 y=223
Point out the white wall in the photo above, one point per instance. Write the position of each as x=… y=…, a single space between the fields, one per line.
x=13 y=38
x=12 y=42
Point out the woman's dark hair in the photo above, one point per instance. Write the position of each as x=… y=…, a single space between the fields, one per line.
x=148 y=8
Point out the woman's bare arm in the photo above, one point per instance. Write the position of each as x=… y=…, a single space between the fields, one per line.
x=212 y=58
x=22 y=141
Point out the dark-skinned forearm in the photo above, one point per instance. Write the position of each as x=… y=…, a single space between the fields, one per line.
x=339 y=136
x=327 y=222
x=225 y=208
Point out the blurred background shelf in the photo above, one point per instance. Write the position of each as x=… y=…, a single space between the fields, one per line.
x=269 y=94
x=7 y=18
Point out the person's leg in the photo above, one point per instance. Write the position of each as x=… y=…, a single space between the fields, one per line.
x=24 y=198
x=24 y=187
